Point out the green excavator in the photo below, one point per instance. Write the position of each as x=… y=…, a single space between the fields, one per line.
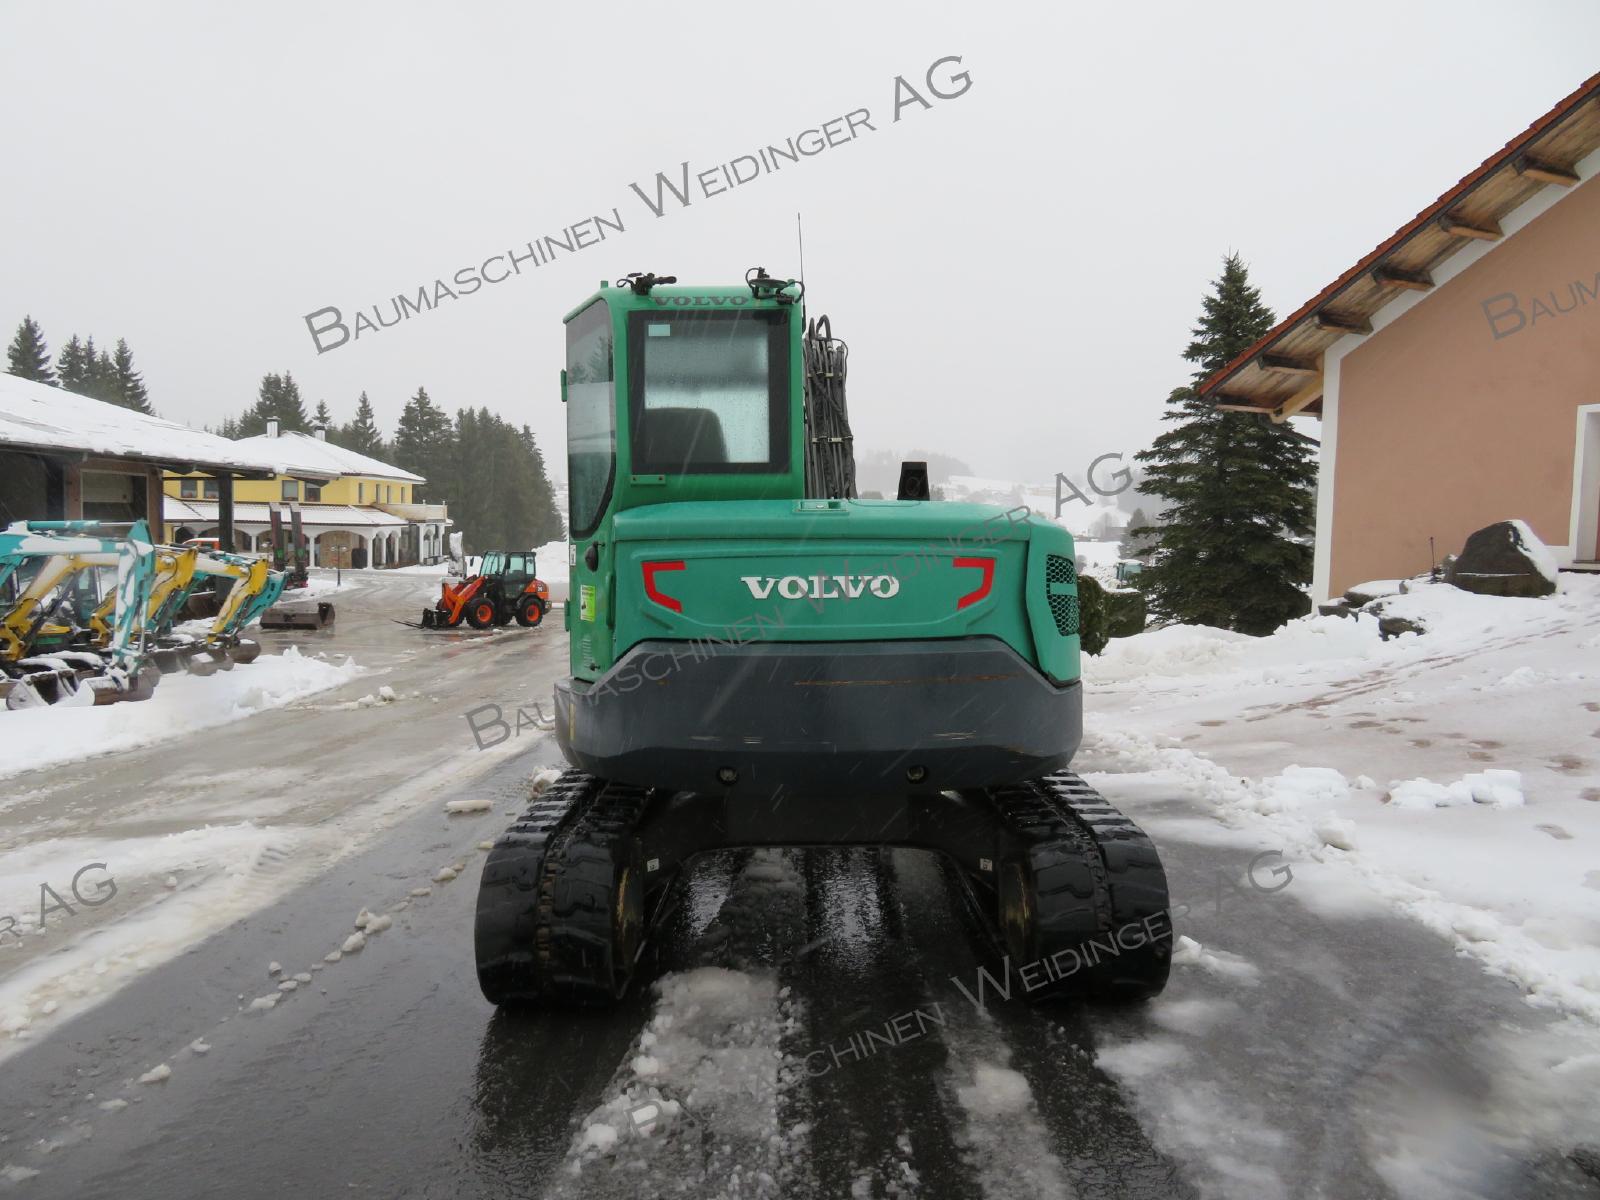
x=759 y=658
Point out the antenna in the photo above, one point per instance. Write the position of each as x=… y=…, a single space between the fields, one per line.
x=800 y=234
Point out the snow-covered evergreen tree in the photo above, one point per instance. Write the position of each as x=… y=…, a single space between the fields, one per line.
x=1232 y=550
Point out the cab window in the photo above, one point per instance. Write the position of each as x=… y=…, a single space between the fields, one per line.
x=709 y=391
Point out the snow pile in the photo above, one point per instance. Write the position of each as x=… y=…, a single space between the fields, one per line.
x=1179 y=652
x=1450 y=614
x=1177 y=657
x=384 y=695
x=706 y=1057
x=995 y=1091
x=552 y=559
x=1487 y=832
x=182 y=704
x=1299 y=787
x=1502 y=789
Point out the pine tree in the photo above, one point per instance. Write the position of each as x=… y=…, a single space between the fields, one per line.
x=362 y=434
x=73 y=367
x=500 y=495
x=127 y=385
x=291 y=412
x=1134 y=545
x=278 y=396
x=98 y=372
x=547 y=523
x=424 y=443
x=28 y=357
x=1233 y=549
x=322 y=418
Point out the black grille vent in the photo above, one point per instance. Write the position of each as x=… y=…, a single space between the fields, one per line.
x=1058 y=569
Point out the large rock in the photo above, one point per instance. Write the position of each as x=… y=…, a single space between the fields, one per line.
x=1389 y=625
x=1392 y=627
x=1504 y=559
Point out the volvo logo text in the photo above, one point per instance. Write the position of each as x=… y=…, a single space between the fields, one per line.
x=821 y=587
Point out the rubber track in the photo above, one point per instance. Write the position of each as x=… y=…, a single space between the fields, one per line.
x=545 y=902
x=1097 y=881
x=579 y=960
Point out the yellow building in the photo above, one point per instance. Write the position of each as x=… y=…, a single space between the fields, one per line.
x=356 y=511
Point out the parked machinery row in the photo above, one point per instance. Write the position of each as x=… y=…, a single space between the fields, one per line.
x=90 y=610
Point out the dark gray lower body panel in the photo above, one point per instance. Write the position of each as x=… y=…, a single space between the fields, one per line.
x=842 y=718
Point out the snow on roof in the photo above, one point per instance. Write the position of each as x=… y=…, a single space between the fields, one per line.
x=39 y=417
x=303 y=454
x=315 y=516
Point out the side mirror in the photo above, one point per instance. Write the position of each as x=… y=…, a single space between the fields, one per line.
x=563 y=385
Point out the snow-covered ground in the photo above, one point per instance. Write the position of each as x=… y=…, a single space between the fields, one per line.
x=182 y=705
x=1452 y=776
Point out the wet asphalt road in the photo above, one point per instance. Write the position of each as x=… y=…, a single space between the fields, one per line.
x=1333 y=1052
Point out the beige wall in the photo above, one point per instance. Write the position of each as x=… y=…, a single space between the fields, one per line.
x=1443 y=427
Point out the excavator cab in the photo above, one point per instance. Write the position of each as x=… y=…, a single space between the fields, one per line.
x=759 y=658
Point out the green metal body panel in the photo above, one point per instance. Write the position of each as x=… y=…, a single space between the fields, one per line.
x=876 y=570
x=589 y=614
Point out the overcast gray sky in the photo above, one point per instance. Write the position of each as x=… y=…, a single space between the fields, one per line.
x=1016 y=269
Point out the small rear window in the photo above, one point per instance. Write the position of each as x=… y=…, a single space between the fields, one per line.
x=709 y=392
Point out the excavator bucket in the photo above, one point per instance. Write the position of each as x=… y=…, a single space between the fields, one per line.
x=299 y=613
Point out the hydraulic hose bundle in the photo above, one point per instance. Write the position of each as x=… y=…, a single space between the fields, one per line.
x=830 y=451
